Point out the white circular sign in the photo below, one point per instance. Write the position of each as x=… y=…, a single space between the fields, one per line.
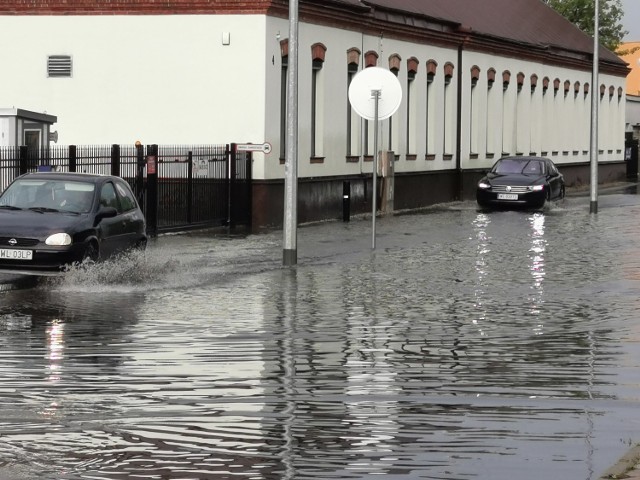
x=362 y=97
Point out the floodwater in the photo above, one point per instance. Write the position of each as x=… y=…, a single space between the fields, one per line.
x=468 y=345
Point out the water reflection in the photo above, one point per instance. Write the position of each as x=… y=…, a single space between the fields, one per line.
x=480 y=226
x=467 y=346
x=536 y=256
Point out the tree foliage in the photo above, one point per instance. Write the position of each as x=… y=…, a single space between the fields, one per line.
x=582 y=14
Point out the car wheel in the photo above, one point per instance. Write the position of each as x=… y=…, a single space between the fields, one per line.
x=141 y=245
x=91 y=253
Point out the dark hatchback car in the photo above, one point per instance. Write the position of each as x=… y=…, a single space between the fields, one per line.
x=520 y=182
x=49 y=221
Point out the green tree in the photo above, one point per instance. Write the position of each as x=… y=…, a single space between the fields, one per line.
x=582 y=14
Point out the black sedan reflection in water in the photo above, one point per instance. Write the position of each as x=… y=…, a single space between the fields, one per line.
x=468 y=345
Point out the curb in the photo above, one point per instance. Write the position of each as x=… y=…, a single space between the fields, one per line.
x=627 y=467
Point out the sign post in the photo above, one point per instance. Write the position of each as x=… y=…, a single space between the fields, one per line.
x=375 y=94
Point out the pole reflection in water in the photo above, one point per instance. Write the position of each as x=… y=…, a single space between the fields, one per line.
x=289 y=315
x=371 y=409
x=536 y=257
x=480 y=225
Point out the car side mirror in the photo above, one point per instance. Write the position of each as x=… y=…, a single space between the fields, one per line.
x=105 y=212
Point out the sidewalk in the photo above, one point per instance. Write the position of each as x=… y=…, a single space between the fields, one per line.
x=585 y=190
x=628 y=467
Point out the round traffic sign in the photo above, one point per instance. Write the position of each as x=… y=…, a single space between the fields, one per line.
x=362 y=97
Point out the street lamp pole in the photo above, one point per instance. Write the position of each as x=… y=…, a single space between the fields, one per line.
x=595 y=96
x=290 y=250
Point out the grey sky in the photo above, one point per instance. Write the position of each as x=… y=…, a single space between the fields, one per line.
x=631 y=20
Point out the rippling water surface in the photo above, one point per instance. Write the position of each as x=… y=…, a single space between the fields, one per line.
x=467 y=346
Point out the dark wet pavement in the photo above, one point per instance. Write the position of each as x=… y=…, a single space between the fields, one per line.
x=467 y=345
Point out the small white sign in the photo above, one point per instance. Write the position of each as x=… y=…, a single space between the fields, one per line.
x=201 y=167
x=254 y=147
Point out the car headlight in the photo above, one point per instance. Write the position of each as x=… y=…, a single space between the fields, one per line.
x=535 y=188
x=58 y=239
x=484 y=185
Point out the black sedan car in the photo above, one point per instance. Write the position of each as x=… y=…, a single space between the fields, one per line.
x=524 y=182
x=49 y=221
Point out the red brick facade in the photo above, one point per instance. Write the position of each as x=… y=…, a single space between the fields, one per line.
x=133 y=7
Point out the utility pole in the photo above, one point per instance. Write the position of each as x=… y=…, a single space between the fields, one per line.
x=290 y=250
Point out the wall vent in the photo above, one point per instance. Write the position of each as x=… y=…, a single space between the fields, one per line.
x=59 y=66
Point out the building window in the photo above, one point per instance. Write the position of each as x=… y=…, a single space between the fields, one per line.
x=371 y=60
x=431 y=110
x=59 y=66
x=474 y=121
x=284 y=80
x=353 y=59
x=449 y=117
x=394 y=67
x=317 y=100
x=507 y=114
x=491 y=120
x=412 y=69
x=521 y=119
x=534 y=131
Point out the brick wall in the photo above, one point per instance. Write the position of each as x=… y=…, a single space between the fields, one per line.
x=133 y=7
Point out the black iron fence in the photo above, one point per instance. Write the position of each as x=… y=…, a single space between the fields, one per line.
x=179 y=187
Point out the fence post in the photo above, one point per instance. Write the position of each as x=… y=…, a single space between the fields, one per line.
x=72 y=158
x=190 y=188
x=152 y=190
x=249 y=187
x=115 y=160
x=24 y=159
x=140 y=162
x=232 y=169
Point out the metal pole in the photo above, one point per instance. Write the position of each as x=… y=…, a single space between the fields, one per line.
x=290 y=250
x=376 y=96
x=595 y=95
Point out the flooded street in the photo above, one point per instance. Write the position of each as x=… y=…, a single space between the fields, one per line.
x=468 y=345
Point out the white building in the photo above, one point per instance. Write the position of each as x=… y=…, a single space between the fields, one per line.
x=479 y=80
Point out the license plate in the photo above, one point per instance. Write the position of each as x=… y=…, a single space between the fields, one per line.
x=507 y=196
x=14 y=254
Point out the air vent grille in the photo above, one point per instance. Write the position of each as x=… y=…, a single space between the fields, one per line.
x=59 y=66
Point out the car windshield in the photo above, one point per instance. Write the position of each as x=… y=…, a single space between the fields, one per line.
x=526 y=167
x=45 y=195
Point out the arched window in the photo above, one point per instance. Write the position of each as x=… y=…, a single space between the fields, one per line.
x=353 y=120
x=474 y=119
x=431 y=68
x=412 y=107
x=394 y=67
x=318 y=51
x=284 y=69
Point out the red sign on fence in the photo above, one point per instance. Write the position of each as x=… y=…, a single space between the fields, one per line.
x=151 y=164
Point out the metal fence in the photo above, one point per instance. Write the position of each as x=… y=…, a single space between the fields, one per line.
x=179 y=187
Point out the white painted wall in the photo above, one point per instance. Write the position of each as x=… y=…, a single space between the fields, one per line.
x=158 y=79
x=169 y=79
